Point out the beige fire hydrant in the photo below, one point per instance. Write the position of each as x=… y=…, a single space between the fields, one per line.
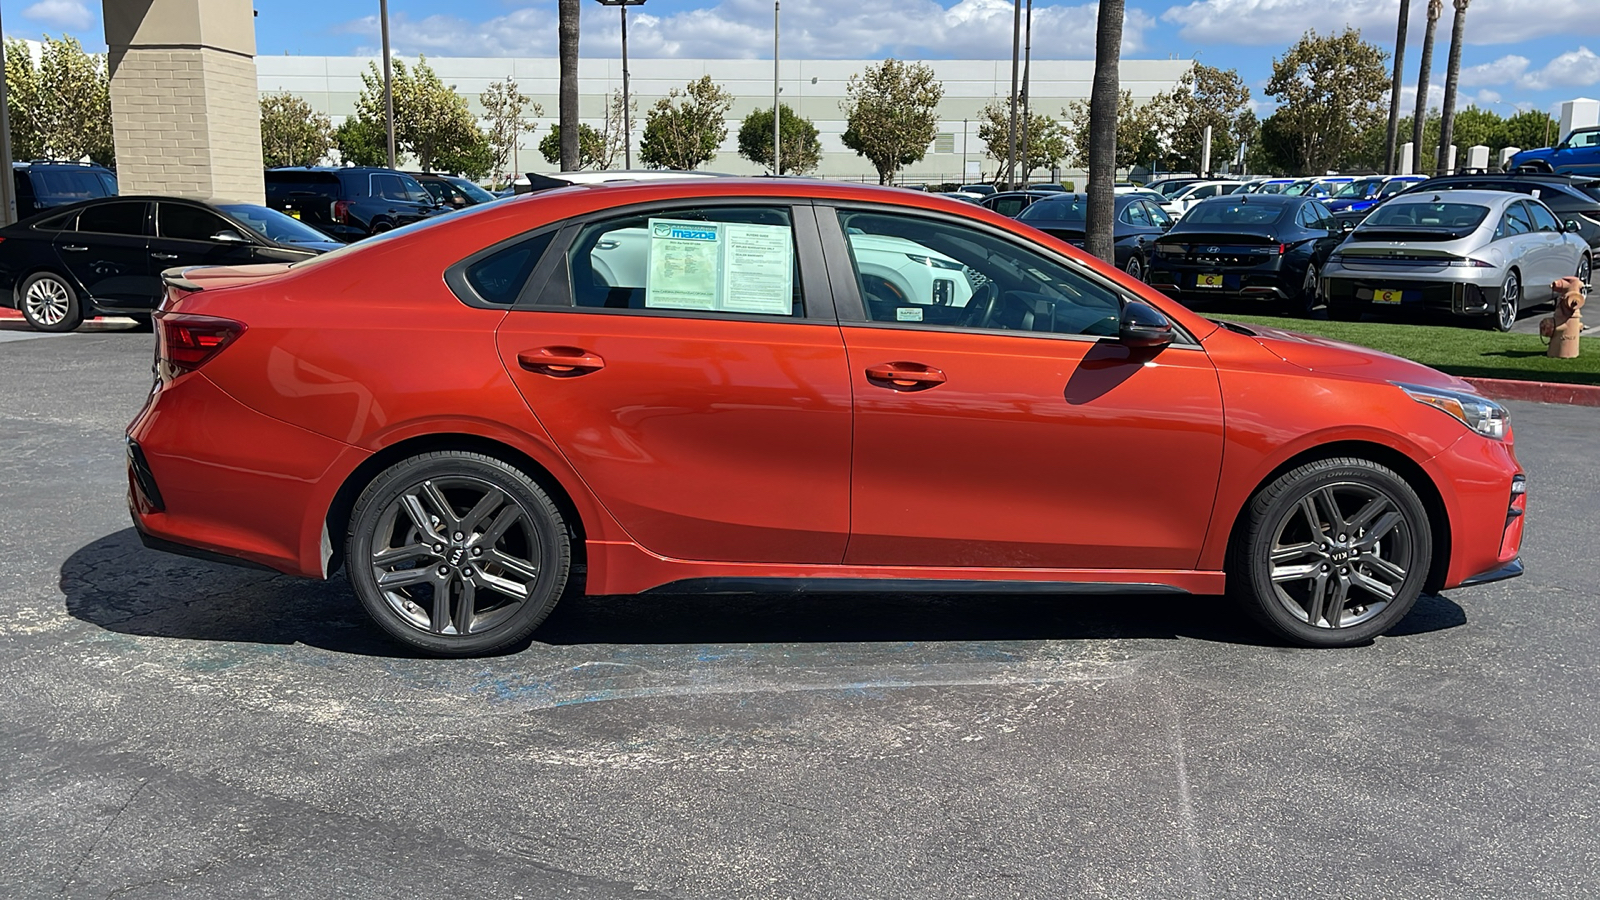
x=1563 y=328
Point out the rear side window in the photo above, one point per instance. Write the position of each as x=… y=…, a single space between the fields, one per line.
x=499 y=277
x=734 y=260
x=113 y=218
x=284 y=186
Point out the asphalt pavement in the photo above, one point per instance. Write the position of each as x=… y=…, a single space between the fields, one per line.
x=173 y=728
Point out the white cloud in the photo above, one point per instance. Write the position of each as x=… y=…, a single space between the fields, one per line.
x=1575 y=68
x=1279 y=22
x=67 y=14
x=821 y=29
x=1487 y=97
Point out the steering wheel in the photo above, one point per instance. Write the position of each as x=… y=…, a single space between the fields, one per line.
x=983 y=306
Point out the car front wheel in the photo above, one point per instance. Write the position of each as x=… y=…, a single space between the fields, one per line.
x=49 y=303
x=1333 y=552
x=457 y=554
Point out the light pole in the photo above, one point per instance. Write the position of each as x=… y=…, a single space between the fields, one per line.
x=1027 y=57
x=777 y=152
x=627 y=121
x=1016 y=63
x=388 y=84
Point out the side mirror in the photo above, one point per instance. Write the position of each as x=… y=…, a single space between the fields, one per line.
x=458 y=202
x=1347 y=226
x=229 y=236
x=1142 y=326
x=1571 y=226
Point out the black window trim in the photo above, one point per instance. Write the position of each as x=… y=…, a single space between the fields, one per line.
x=853 y=310
x=549 y=288
x=455 y=277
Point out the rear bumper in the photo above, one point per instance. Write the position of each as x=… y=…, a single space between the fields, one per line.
x=1267 y=282
x=1457 y=297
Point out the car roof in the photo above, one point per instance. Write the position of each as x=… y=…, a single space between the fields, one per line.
x=1485 y=198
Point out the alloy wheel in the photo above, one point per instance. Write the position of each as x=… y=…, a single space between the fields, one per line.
x=1340 y=555
x=1135 y=270
x=1510 y=302
x=1583 y=269
x=455 y=555
x=47 y=302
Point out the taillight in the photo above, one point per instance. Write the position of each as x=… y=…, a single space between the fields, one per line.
x=184 y=342
x=341 y=211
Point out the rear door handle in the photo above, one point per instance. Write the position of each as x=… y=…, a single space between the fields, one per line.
x=561 y=362
x=905 y=376
x=74 y=248
x=165 y=255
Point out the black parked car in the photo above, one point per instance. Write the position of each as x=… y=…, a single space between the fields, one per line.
x=106 y=256
x=1139 y=222
x=1257 y=246
x=451 y=190
x=1012 y=203
x=43 y=185
x=1573 y=198
x=350 y=203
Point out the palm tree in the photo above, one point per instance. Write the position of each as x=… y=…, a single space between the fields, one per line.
x=1447 y=121
x=1394 y=88
x=567 y=32
x=1435 y=10
x=1103 y=132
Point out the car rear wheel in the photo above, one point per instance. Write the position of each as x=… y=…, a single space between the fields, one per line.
x=1303 y=303
x=49 y=303
x=457 y=554
x=1505 y=311
x=1134 y=268
x=1332 y=553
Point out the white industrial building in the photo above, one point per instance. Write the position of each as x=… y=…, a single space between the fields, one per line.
x=814 y=88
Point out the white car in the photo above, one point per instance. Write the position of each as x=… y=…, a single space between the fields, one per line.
x=1179 y=203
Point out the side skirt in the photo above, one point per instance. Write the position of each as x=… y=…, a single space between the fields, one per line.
x=736 y=585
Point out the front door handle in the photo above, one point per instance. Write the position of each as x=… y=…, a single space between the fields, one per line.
x=74 y=248
x=165 y=255
x=561 y=362
x=905 y=376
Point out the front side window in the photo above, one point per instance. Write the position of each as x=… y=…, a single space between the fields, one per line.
x=919 y=272
x=735 y=260
x=1584 y=139
x=1543 y=220
x=187 y=223
x=391 y=186
x=113 y=218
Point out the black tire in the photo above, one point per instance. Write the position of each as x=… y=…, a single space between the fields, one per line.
x=48 y=302
x=1355 y=568
x=1304 y=302
x=464 y=577
x=1504 y=314
x=1134 y=268
x=1585 y=269
x=379 y=226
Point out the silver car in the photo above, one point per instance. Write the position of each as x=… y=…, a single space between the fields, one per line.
x=1483 y=254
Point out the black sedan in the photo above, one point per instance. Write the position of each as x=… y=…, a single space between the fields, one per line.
x=1138 y=223
x=106 y=256
x=1254 y=246
x=1012 y=203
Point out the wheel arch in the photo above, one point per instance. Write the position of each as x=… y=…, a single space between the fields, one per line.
x=47 y=268
x=1404 y=466
x=336 y=522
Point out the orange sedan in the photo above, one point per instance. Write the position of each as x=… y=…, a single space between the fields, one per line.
x=739 y=385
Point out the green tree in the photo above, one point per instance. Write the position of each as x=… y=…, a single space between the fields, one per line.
x=685 y=127
x=431 y=121
x=1330 y=90
x=613 y=131
x=362 y=142
x=890 y=114
x=1273 y=150
x=1530 y=129
x=505 y=107
x=61 y=108
x=1138 y=140
x=1048 y=142
x=292 y=134
x=1204 y=96
x=591 y=146
x=802 y=150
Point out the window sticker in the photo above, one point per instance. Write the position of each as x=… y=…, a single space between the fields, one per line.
x=908 y=314
x=720 y=266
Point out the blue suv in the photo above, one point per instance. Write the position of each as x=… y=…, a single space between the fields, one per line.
x=1578 y=154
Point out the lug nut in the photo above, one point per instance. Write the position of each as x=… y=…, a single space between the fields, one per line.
x=444 y=570
x=467 y=571
x=459 y=536
x=477 y=551
x=1341 y=537
x=438 y=548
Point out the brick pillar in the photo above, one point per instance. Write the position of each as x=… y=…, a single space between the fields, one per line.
x=185 y=109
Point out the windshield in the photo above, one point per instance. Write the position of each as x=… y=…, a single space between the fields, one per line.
x=1272 y=187
x=274 y=225
x=1065 y=209
x=1456 y=217
x=1242 y=212
x=478 y=194
x=1171 y=187
x=1296 y=189
x=1354 y=190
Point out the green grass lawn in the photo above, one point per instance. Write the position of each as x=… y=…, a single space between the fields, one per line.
x=1460 y=351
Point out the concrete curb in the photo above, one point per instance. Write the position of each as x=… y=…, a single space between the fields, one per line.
x=1538 y=391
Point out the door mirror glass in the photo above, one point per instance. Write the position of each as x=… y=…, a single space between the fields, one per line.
x=229 y=236
x=1571 y=226
x=1142 y=325
x=1347 y=226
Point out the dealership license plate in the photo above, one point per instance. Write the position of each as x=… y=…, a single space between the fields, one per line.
x=1387 y=296
x=1208 y=281
x=293 y=213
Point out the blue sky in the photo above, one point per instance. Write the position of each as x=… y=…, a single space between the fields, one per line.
x=1519 y=53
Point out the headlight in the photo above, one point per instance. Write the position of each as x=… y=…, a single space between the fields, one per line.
x=1482 y=415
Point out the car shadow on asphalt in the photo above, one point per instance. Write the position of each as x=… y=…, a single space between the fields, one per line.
x=117 y=584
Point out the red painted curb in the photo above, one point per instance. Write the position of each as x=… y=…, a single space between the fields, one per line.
x=1538 y=391
x=9 y=313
